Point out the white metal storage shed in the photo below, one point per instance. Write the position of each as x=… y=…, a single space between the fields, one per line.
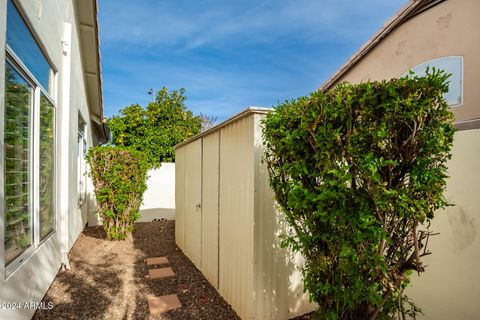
x=226 y=221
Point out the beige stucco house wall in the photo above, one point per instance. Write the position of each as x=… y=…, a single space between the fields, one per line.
x=420 y=32
x=67 y=34
x=449 y=28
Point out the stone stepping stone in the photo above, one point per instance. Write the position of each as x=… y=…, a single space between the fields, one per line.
x=156 y=260
x=160 y=273
x=158 y=305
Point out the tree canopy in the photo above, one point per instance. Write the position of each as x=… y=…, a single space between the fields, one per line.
x=156 y=129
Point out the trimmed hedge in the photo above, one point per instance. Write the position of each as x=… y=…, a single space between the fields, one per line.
x=119 y=176
x=359 y=172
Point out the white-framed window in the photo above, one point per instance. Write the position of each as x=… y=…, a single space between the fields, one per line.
x=82 y=161
x=452 y=65
x=29 y=143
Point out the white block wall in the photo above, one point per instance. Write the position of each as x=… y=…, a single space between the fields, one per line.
x=159 y=199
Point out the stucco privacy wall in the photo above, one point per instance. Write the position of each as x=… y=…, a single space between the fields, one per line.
x=449 y=288
x=159 y=198
x=238 y=231
x=51 y=22
x=450 y=28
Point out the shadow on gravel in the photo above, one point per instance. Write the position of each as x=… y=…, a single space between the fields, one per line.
x=107 y=279
x=90 y=289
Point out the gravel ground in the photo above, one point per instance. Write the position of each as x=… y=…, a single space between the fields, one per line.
x=107 y=279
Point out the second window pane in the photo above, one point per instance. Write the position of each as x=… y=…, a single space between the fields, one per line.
x=47 y=167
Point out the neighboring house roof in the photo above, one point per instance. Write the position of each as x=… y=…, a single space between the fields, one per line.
x=411 y=9
x=90 y=51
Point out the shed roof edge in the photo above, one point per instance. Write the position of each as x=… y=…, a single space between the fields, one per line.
x=248 y=111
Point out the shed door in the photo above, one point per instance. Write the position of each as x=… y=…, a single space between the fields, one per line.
x=180 y=197
x=210 y=179
x=193 y=201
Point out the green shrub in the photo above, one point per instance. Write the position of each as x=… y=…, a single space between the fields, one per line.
x=119 y=177
x=359 y=172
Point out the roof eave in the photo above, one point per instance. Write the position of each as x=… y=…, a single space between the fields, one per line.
x=91 y=59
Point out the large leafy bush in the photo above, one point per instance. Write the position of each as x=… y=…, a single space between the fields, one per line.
x=156 y=129
x=119 y=177
x=359 y=172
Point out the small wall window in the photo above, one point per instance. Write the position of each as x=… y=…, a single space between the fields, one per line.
x=29 y=143
x=81 y=161
x=452 y=65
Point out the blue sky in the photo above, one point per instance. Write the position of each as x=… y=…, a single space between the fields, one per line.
x=229 y=54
